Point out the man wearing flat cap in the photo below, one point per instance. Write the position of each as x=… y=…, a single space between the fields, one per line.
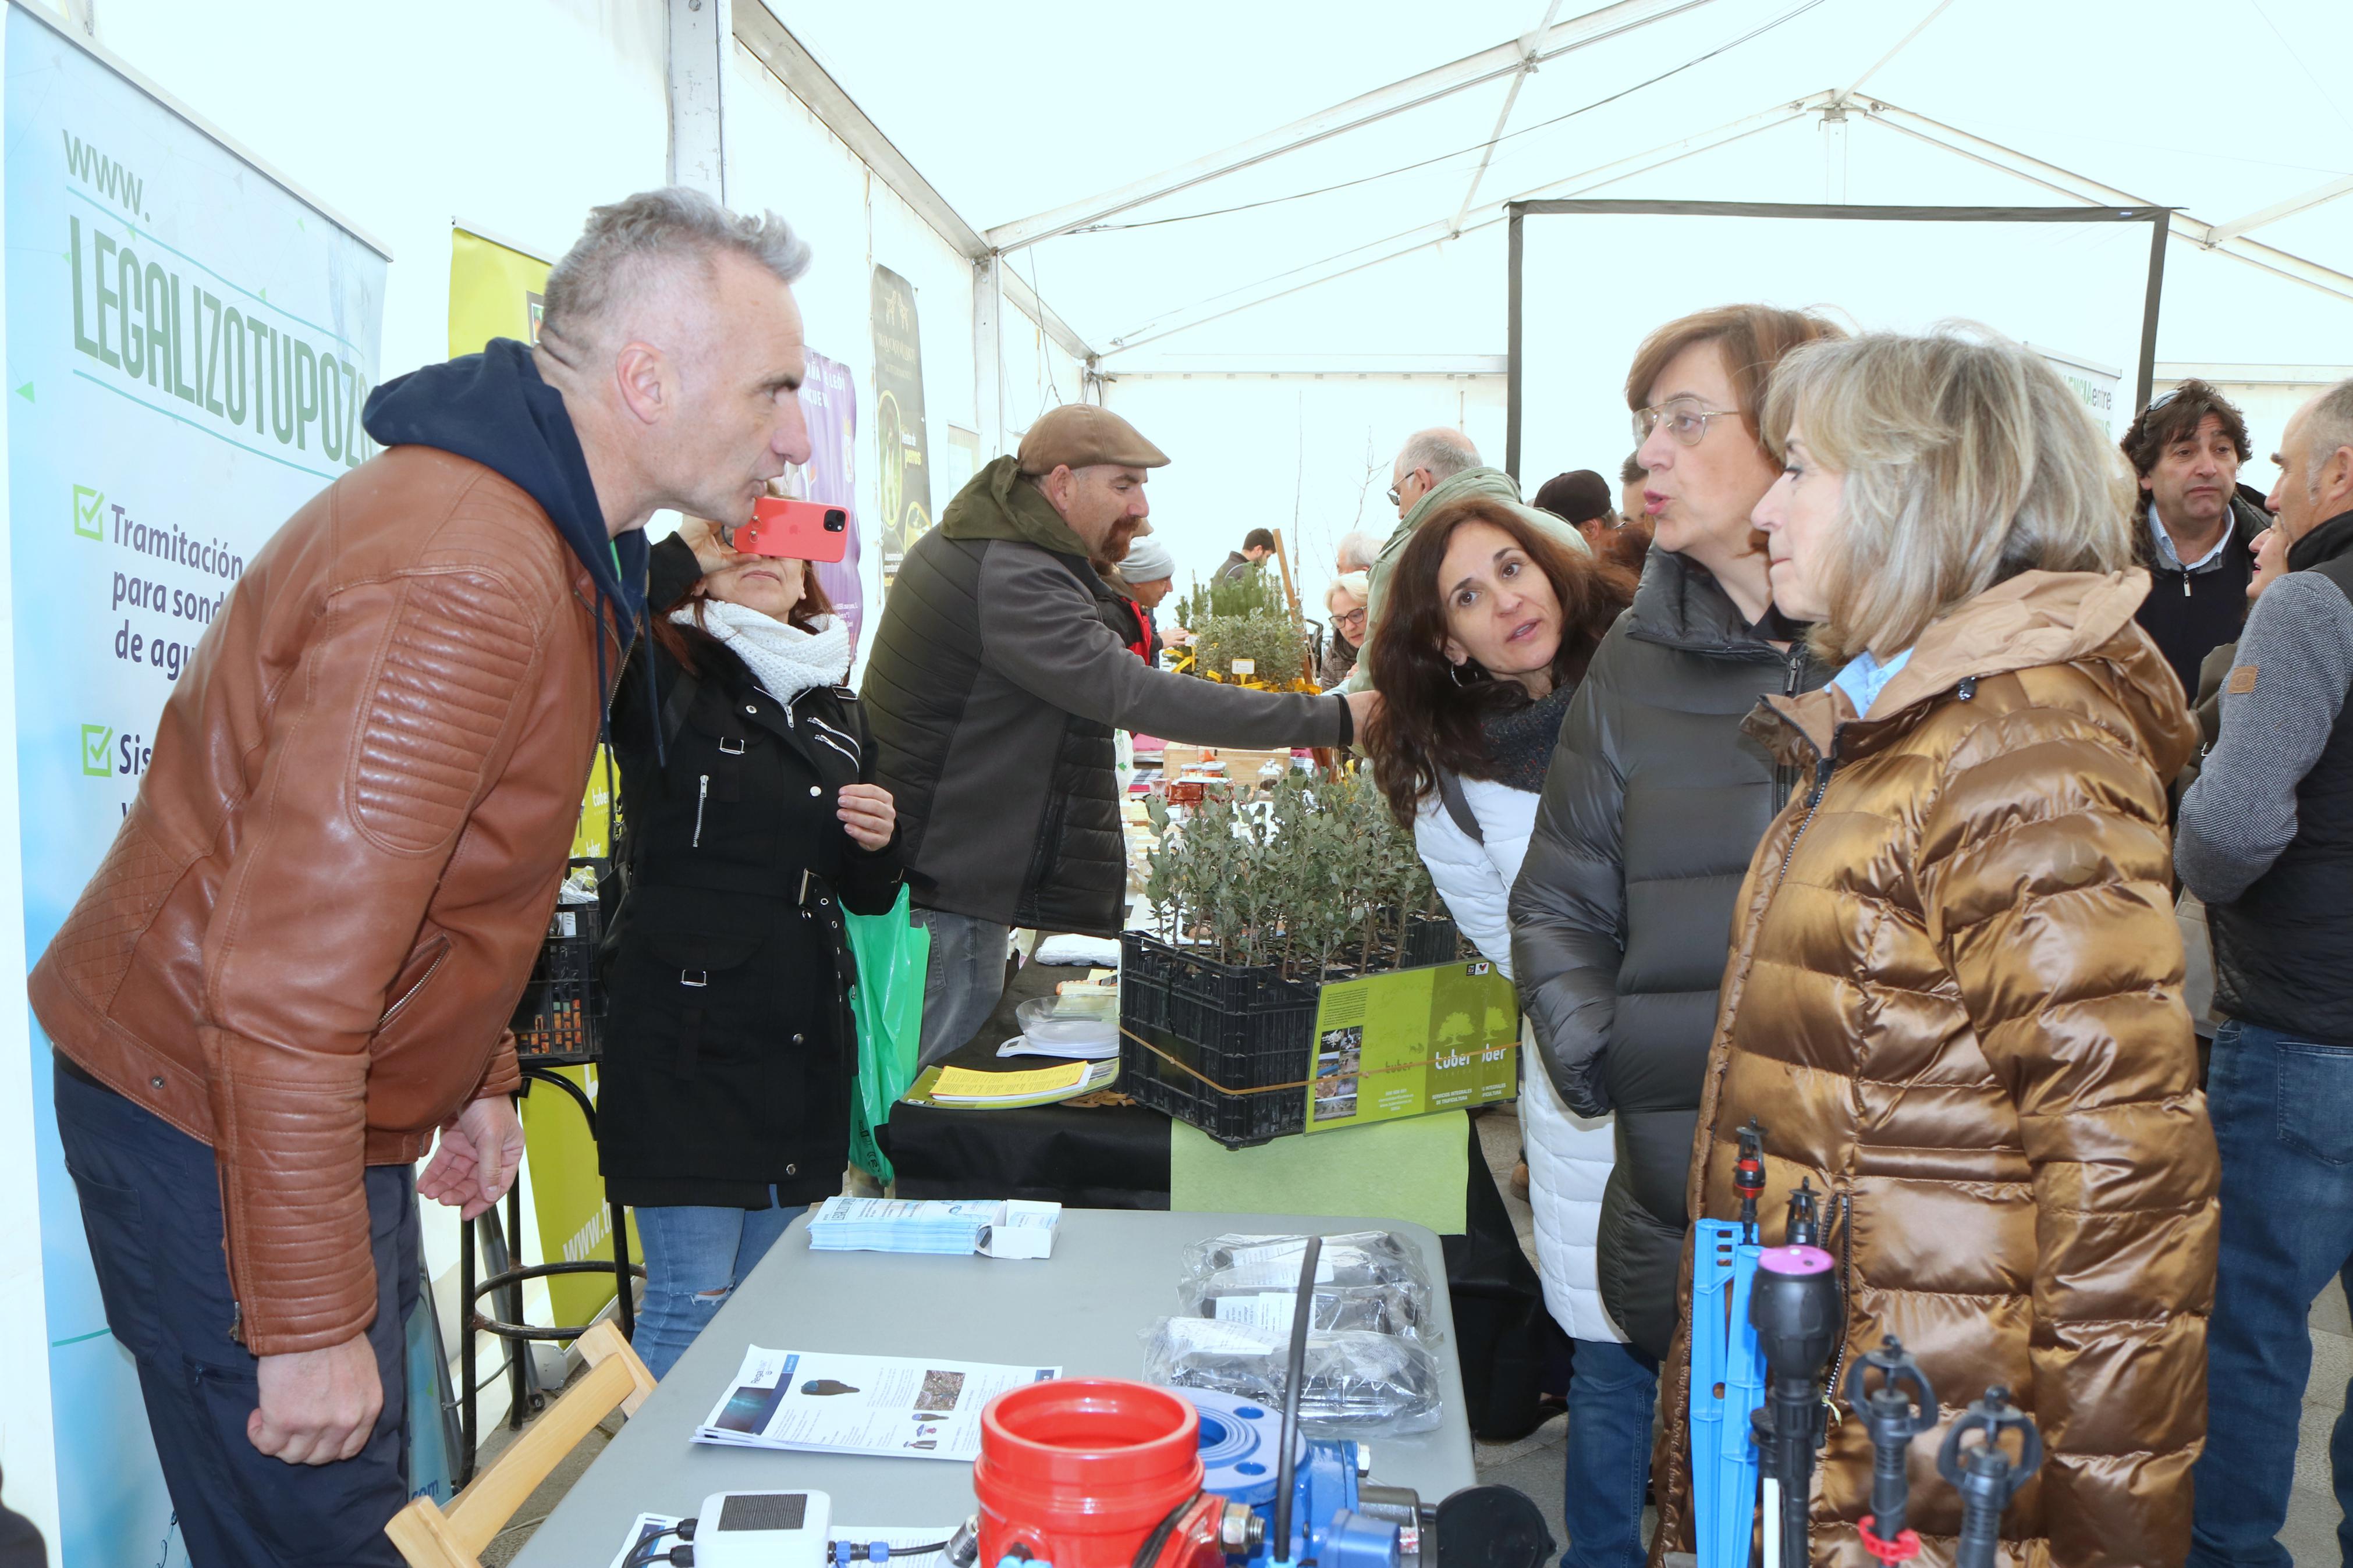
x=993 y=688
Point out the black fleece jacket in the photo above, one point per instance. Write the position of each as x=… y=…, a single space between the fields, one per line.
x=1621 y=919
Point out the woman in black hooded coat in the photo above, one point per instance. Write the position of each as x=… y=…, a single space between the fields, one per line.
x=752 y=825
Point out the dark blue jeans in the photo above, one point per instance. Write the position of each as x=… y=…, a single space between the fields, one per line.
x=150 y=1204
x=1612 y=1391
x=2282 y=1110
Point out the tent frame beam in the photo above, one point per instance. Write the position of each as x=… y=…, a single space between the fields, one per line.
x=1405 y=243
x=1365 y=109
x=2319 y=195
x=2093 y=193
x=1528 y=42
x=761 y=31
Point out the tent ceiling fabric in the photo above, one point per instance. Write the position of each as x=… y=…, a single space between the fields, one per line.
x=2226 y=109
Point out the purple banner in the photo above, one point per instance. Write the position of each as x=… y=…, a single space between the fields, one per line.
x=829 y=398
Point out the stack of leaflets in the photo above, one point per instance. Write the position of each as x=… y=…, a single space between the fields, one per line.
x=889 y=1406
x=993 y=1227
x=966 y=1088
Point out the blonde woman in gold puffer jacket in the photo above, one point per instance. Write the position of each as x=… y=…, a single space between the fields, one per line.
x=1954 y=995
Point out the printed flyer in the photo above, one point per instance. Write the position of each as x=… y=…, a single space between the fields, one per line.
x=888 y=1405
x=1446 y=1037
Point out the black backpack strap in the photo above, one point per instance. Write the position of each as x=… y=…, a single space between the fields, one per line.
x=1458 y=806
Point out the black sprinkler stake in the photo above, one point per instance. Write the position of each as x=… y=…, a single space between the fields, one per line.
x=1894 y=1418
x=1984 y=1473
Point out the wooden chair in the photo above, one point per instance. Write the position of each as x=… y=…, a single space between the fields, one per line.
x=428 y=1538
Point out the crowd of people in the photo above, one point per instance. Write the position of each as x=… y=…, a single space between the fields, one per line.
x=1835 y=771
x=1867 y=824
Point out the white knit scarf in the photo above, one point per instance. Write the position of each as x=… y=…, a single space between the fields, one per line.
x=785 y=660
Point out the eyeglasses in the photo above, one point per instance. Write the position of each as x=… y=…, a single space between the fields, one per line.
x=1396 y=499
x=1352 y=620
x=1686 y=419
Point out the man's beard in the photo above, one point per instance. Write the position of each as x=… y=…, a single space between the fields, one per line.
x=1122 y=535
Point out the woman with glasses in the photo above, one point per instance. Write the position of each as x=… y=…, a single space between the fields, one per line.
x=1655 y=801
x=1344 y=601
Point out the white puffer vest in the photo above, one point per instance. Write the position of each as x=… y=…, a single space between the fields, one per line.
x=1569 y=1157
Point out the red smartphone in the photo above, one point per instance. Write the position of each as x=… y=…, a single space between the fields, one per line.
x=795 y=529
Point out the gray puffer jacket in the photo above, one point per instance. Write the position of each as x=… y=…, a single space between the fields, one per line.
x=993 y=690
x=1621 y=919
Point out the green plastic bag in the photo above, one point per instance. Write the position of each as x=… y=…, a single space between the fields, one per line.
x=892 y=954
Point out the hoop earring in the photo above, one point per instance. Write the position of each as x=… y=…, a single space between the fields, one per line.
x=1456 y=672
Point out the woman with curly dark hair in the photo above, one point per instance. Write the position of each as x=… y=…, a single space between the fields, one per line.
x=1489 y=624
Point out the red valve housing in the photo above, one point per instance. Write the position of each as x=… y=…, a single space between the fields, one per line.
x=1080 y=1470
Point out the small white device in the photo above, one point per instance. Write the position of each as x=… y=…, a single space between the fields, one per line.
x=764 y=1529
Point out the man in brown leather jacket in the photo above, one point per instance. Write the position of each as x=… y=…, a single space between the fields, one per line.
x=296 y=964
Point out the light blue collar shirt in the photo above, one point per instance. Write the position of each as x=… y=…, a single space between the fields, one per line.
x=2169 y=557
x=1863 y=677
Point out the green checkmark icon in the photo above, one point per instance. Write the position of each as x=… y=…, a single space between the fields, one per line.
x=96 y=750
x=86 y=504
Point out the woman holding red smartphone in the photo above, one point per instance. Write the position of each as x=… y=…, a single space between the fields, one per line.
x=751 y=823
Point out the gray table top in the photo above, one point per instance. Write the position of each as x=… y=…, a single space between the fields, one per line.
x=1084 y=1309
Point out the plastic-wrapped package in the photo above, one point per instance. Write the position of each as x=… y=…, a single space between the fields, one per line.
x=1357 y=1384
x=1271 y=1263
x=1372 y=1309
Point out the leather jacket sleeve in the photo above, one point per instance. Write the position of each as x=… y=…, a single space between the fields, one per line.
x=1568 y=907
x=2057 y=923
x=400 y=714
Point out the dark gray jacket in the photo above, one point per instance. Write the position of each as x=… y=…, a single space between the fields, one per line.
x=2266 y=833
x=993 y=690
x=1621 y=919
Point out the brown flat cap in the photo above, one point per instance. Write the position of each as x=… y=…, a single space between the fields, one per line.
x=1078 y=435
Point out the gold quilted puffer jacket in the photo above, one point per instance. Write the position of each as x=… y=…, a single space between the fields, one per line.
x=1954 y=1004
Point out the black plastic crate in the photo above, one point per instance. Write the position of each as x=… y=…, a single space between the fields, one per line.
x=560 y=1019
x=1200 y=1036
x=1236 y=1121
x=1431 y=938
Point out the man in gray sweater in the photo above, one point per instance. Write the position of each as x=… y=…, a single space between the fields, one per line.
x=994 y=688
x=2266 y=839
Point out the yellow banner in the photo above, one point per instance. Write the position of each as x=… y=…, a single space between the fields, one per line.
x=495 y=291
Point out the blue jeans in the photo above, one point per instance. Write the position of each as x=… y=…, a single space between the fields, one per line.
x=694 y=1259
x=151 y=1204
x=962 y=981
x=1612 y=1391
x=2282 y=1110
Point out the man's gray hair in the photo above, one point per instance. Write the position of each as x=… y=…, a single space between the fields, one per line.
x=1357 y=552
x=631 y=241
x=1444 y=452
x=2328 y=426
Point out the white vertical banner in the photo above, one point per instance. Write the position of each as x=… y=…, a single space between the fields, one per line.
x=188 y=343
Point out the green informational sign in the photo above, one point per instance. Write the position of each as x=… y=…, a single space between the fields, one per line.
x=1406 y=1044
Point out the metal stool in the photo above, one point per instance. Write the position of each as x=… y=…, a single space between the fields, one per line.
x=557 y=1023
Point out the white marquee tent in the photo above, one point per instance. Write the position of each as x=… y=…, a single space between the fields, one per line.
x=1275 y=236
x=1296 y=204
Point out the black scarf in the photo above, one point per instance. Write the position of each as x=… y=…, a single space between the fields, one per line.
x=1520 y=740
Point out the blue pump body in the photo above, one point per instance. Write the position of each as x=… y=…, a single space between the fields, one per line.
x=1241 y=1447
